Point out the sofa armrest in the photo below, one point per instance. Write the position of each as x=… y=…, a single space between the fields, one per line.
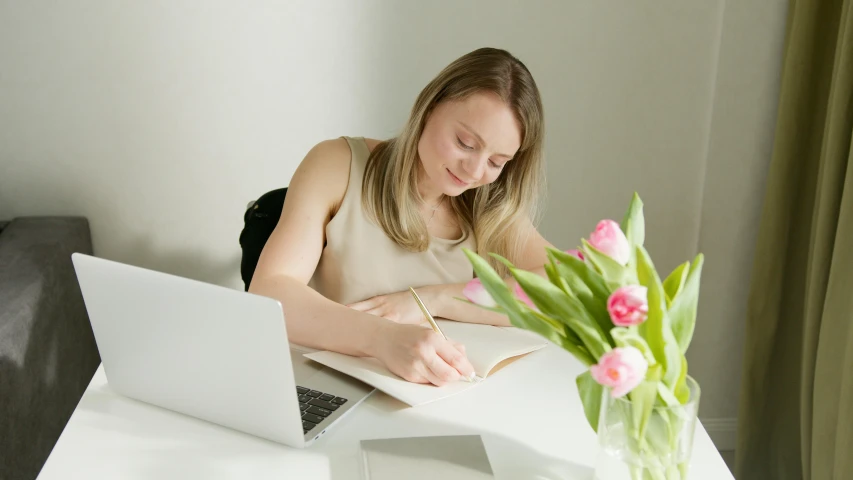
x=47 y=350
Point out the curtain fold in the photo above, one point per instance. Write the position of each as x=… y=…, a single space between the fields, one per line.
x=796 y=407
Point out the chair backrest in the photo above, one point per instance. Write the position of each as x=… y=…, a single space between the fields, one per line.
x=259 y=221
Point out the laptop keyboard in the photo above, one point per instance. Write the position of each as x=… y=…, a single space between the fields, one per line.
x=316 y=406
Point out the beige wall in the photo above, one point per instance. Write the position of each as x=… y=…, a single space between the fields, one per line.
x=159 y=122
x=739 y=148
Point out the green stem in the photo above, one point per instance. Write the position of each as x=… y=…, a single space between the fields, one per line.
x=660 y=441
x=636 y=472
x=672 y=473
x=682 y=468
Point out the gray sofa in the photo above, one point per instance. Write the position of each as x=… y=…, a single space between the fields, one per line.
x=47 y=351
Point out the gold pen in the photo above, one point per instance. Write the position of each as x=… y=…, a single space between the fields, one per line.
x=427 y=314
x=435 y=326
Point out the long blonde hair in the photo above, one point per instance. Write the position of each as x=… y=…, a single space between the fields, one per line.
x=493 y=213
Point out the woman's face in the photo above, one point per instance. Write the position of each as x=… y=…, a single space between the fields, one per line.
x=466 y=143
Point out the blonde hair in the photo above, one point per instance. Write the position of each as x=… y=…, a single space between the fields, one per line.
x=493 y=213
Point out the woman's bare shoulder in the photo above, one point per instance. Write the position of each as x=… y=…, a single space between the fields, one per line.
x=328 y=162
x=334 y=153
x=322 y=176
x=326 y=168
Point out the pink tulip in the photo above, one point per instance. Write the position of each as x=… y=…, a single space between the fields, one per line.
x=609 y=239
x=628 y=305
x=519 y=292
x=476 y=293
x=575 y=252
x=621 y=369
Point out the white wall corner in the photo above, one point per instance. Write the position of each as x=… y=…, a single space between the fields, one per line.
x=723 y=432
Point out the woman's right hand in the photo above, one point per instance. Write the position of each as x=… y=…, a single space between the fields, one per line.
x=420 y=355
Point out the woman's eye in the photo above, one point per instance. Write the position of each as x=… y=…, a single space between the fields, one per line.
x=463 y=145
x=494 y=165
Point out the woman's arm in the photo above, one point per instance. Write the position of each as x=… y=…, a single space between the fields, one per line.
x=441 y=300
x=293 y=251
x=290 y=257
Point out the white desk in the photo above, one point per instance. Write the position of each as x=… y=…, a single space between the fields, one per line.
x=529 y=415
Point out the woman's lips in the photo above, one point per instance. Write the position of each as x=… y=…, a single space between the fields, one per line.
x=456 y=180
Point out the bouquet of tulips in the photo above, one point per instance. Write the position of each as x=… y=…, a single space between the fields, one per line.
x=606 y=304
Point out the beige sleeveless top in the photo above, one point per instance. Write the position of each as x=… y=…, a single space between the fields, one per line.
x=360 y=261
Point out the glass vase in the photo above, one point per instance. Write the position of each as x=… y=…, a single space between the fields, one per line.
x=660 y=450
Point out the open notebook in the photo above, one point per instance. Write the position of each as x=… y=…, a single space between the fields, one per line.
x=488 y=348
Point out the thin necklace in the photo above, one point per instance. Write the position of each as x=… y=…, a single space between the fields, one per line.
x=435 y=209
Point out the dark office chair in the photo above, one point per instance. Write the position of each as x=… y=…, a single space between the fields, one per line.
x=259 y=221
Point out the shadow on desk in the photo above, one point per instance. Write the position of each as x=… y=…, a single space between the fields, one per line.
x=157 y=443
x=510 y=459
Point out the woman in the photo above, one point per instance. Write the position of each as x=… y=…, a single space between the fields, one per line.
x=364 y=220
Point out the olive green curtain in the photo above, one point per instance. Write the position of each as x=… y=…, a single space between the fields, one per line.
x=796 y=407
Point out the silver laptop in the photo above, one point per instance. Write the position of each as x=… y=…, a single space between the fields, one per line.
x=210 y=352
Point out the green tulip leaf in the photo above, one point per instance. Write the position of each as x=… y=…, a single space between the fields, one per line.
x=634 y=227
x=683 y=309
x=589 y=287
x=559 y=334
x=553 y=331
x=502 y=260
x=557 y=304
x=656 y=329
x=590 y=277
x=591 y=393
x=493 y=283
x=553 y=275
x=633 y=223
x=612 y=271
x=675 y=282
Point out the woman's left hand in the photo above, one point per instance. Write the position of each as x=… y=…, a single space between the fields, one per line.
x=398 y=307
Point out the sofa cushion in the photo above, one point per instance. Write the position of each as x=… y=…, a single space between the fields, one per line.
x=47 y=350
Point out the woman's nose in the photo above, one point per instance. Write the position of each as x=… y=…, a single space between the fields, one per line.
x=475 y=166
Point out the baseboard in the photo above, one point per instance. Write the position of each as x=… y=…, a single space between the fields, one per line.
x=723 y=432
